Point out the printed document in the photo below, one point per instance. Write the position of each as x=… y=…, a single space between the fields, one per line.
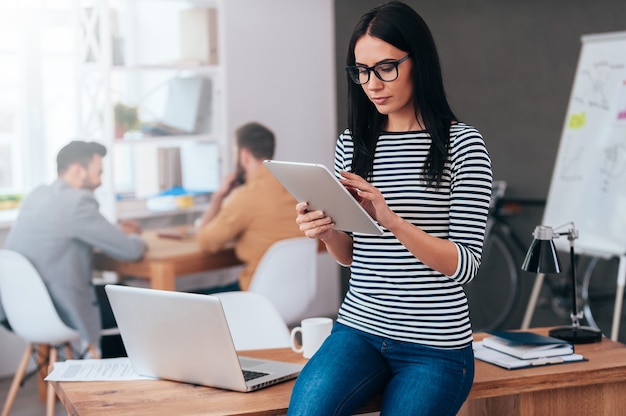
x=106 y=369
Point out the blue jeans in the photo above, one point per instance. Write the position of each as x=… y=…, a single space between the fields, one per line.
x=352 y=366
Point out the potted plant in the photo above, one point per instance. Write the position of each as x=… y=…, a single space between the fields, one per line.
x=126 y=118
x=10 y=201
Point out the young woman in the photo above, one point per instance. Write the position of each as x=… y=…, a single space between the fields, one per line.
x=403 y=329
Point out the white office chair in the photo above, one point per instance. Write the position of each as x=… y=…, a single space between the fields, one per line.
x=287 y=276
x=32 y=316
x=254 y=322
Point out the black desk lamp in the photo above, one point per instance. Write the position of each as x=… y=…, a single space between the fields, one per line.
x=542 y=258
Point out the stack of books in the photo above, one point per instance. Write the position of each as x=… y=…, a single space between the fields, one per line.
x=513 y=350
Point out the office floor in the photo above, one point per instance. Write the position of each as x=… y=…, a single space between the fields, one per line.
x=28 y=404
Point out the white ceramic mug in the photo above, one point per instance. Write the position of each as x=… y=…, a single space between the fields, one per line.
x=313 y=331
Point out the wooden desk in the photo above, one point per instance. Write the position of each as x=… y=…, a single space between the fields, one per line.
x=166 y=259
x=171 y=398
x=596 y=387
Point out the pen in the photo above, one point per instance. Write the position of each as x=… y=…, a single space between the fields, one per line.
x=544 y=361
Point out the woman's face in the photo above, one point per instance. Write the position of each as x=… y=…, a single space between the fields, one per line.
x=394 y=98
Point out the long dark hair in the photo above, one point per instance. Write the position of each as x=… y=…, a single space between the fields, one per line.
x=399 y=25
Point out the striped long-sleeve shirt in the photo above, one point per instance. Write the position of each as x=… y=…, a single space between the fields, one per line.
x=391 y=293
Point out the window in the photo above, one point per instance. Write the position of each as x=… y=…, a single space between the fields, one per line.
x=37 y=77
x=49 y=97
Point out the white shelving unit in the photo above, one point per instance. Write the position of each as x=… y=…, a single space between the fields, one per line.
x=133 y=53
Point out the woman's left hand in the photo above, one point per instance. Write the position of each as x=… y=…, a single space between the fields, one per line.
x=369 y=197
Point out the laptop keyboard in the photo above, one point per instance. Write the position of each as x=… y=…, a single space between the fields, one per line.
x=251 y=375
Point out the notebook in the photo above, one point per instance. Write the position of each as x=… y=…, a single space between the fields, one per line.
x=317 y=185
x=185 y=337
x=527 y=345
x=509 y=362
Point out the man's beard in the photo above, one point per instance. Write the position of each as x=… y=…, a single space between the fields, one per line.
x=88 y=185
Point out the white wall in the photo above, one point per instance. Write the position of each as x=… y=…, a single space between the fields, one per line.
x=279 y=57
x=280 y=71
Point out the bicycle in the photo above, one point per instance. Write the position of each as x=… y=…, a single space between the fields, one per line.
x=494 y=294
x=598 y=295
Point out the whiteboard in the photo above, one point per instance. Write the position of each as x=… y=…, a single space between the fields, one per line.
x=588 y=184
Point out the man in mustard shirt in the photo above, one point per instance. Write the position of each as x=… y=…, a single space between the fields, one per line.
x=250 y=207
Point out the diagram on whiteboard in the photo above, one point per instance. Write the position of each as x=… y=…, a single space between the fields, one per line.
x=615 y=166
x=572 y=158
x=613 y=170
x=588 y=183
x=592 y=98
x=599 y=81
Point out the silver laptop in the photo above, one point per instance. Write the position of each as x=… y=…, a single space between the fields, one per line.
x=185 y=337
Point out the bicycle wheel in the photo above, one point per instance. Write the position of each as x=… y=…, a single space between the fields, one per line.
x=597 y=293
x=494 y=293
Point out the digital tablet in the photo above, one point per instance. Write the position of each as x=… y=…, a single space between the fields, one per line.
x=317 y=185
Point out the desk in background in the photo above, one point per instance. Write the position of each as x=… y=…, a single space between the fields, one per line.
x=595 y=387
x=166 y=259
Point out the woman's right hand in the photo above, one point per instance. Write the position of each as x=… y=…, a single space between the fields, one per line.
x=314 y=224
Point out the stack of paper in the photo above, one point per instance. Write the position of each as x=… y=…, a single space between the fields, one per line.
x=527 y=345
x=524 y=349
x=107 y=369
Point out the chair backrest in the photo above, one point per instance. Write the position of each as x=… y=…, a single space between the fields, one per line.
x=27 y=303
x=253 y=321
x=287 y=276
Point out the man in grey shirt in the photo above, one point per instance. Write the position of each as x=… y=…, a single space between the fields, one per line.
x=59 y=226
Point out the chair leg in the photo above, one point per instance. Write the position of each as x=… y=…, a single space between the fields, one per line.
x=51 y=395
x=69 y=352
x=43 y=360
x=94 y=351
x=17 y=379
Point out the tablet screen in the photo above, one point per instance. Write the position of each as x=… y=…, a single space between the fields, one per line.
x=317 y=185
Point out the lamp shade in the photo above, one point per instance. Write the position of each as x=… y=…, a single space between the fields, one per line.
x=542 y=258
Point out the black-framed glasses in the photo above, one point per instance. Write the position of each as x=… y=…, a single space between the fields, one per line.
x=384 y=71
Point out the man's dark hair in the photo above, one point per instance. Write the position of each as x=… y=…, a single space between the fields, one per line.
x=78 y=151
x=258 y=139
